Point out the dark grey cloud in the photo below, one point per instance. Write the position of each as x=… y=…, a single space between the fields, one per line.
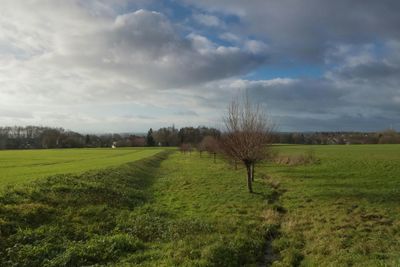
x=350 y=122
x=380 y=72
x=335 y=102
x=356 y=42
x=307 y=29
x=332 y=104
x=299 y=96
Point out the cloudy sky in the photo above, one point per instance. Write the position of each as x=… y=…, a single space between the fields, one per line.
x=119 y=66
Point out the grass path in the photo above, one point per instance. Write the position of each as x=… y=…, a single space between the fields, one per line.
x=220 y=223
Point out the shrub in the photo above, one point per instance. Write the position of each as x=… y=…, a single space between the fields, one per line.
x=303 y=159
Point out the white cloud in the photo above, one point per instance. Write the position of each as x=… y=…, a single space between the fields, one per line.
x=256 y=47
x=60 y=54
x=208 y=20
x=201 y=43
x=228 y=36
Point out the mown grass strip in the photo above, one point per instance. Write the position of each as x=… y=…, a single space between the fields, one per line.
x=19 y=166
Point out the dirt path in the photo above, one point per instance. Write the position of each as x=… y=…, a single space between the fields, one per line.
x=273 y=215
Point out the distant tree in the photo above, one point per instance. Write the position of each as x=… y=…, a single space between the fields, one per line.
x=149 y=138
x=50 y=138
x=3 y=141
x=189 y=135
x=87 y=140
x=298 y=138
x=167 y=136
x=106 y=140
x=389 y=136
x=71 y=139
x=186 y=148
x=211 y=145
x=247 y=135
x=201 y=148
x=137 y=140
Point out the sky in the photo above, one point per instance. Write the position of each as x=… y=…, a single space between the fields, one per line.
x=126 y=66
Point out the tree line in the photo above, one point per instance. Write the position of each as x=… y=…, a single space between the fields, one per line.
x=39 y=137
x=389 y=136
x=171 y=136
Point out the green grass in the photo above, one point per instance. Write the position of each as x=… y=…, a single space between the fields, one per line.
x=344 y=211
x=171 y=209
x=18 y=166
x=215 y=221
x=167 y=210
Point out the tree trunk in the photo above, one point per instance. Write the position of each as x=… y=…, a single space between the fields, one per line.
x=236 y=165
x=249 y=181
x=252 y=172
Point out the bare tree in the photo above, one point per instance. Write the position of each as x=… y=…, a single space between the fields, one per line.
x=211 y=145
x=201 y=148
x=247 y=135
x=186 y=148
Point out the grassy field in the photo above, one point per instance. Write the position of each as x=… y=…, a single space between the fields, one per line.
x=172 y=209
x=167 y=210
x=18 y=166
x=343 y=211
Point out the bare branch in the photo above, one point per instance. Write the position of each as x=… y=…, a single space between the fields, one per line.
x=247 y=134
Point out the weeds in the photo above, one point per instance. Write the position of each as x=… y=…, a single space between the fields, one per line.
x=303 y=159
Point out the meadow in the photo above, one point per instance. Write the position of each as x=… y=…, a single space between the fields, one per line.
x=342 y=211
x=174 y=209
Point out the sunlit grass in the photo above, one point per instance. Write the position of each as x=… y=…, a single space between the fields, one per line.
x=343 y=211
x=176 y=209
x=17 y=166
